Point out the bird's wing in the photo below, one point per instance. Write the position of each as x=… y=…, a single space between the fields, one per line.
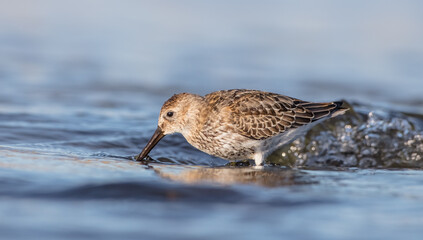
x=260 y=115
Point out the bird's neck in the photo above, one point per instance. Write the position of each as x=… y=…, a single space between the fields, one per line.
x=193 y=116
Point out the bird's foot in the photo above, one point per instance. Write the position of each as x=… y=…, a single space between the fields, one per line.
x=241 y=163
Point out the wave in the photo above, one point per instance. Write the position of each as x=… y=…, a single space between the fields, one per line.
x=360 y=138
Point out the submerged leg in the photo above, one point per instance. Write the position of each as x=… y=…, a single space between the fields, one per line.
x=239 y=163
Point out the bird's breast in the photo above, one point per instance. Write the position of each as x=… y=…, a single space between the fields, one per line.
x=224 y=143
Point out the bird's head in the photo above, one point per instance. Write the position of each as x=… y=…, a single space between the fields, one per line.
x=178 y=115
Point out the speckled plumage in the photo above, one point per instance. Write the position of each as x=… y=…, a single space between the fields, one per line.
x=239 y=124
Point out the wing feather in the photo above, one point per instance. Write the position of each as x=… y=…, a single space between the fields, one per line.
x=260 y=115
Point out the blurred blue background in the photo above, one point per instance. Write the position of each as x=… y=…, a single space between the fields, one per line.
x=370 y=50
x=82 y=82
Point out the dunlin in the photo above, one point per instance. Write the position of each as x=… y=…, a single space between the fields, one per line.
x=239 y=124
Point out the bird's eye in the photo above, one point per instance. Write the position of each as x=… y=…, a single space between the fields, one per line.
x=169 y=114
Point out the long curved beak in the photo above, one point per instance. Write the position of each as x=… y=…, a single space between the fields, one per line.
x=158 y=134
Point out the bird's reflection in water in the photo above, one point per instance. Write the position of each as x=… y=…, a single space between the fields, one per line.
x=267 y=176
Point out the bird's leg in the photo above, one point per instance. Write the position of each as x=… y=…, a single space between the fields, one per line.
x=259 y=158
x=240 y=163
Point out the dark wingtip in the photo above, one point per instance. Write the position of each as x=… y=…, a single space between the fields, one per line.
x=339 y=105
x=339 y=109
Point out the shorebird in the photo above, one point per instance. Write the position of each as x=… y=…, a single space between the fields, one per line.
x=239 y=124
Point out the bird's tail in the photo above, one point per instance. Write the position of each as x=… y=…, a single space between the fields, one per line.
x=339 y=110
x=322 y=110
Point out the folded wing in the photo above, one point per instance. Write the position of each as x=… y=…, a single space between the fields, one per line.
x=260 y=115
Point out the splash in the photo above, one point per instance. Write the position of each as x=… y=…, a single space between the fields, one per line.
x=372 y=139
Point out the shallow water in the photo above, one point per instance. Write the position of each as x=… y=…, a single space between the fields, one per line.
x=80 y=94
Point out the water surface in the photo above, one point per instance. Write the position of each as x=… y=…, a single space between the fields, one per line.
x=80 y=93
